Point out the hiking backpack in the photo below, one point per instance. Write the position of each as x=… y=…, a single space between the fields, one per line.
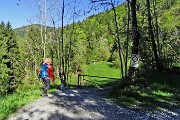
x=44 y=71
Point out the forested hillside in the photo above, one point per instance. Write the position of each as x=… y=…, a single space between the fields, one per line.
x=132 y=48
x=106 y=36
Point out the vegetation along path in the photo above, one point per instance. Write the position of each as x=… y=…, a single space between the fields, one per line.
x=85 y=104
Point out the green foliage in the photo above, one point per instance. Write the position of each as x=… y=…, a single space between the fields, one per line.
x=116 y=64
x=10 y=103
x=93 y=38
x=169 y=22
x=93 y=41
x=163 y=91
x=23 y=31
x=3 y=67
x=165 y=19
x=9 y=57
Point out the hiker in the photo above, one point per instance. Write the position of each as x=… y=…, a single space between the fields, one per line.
x=46 y=73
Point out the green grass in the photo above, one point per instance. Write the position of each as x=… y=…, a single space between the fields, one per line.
x=9 y=104
x=100 y=69
x=26 y=93
x=163 y=92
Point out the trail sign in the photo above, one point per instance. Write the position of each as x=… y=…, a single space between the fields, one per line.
x=135 y=60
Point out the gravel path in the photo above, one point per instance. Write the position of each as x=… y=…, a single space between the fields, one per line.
x=86 y=104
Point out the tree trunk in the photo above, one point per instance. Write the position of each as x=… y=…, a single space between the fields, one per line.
x=62 y=46
x=127 y=43
x=70 y=43
x=41 y=19
x=118 y=40
x=151 y=34
x=45 y=32
x=156 y=26
x=135 y=37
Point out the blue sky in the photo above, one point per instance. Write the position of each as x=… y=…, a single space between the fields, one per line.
x=16 y=14
x=25 y=12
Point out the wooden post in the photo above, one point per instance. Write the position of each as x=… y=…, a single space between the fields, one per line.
x=79 y=78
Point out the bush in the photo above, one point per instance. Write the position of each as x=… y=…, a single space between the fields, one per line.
x=115 y=64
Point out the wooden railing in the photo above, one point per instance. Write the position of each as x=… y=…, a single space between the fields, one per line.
x=81 y=77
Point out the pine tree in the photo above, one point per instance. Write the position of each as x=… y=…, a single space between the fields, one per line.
x=4 y=77
x=12 y=57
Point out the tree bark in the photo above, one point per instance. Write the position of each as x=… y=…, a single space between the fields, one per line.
x=118 y=40
x=62 y=45
x=41 y=22
x=156 y=26
x=151 y=34
x=135 y=37
x=127 y=43
x=45 y=31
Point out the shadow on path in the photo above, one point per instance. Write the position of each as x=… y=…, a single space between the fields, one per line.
x=77 y=104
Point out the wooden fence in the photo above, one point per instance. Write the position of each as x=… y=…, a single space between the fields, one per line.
x=81 y=78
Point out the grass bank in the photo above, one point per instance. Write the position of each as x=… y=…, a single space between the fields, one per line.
x=163 y=91
x=24 y=95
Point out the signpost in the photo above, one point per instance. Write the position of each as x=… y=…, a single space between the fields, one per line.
x=134 y=60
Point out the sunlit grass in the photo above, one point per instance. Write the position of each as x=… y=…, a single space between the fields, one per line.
x=10 y=103
x=158 y=94
x=100 y=69
x=161 y=93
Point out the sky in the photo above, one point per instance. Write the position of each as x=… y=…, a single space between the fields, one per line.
x=25 y=12
x=16 y=14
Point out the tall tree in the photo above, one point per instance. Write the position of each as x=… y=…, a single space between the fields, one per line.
x=13 y=57
x=41 y=28
x=127 y=41
x=121 y=55
x=151 y=34
x=156 y=26
x=45 y=28
x=135 y=37
x=4 y=70
x=62 y=44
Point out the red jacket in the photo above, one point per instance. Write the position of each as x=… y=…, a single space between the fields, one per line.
x=50 y=72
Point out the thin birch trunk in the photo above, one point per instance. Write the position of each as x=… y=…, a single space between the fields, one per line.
x=45 y=32
x=41 y=29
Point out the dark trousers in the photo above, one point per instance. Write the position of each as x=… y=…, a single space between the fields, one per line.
x=46 y=86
